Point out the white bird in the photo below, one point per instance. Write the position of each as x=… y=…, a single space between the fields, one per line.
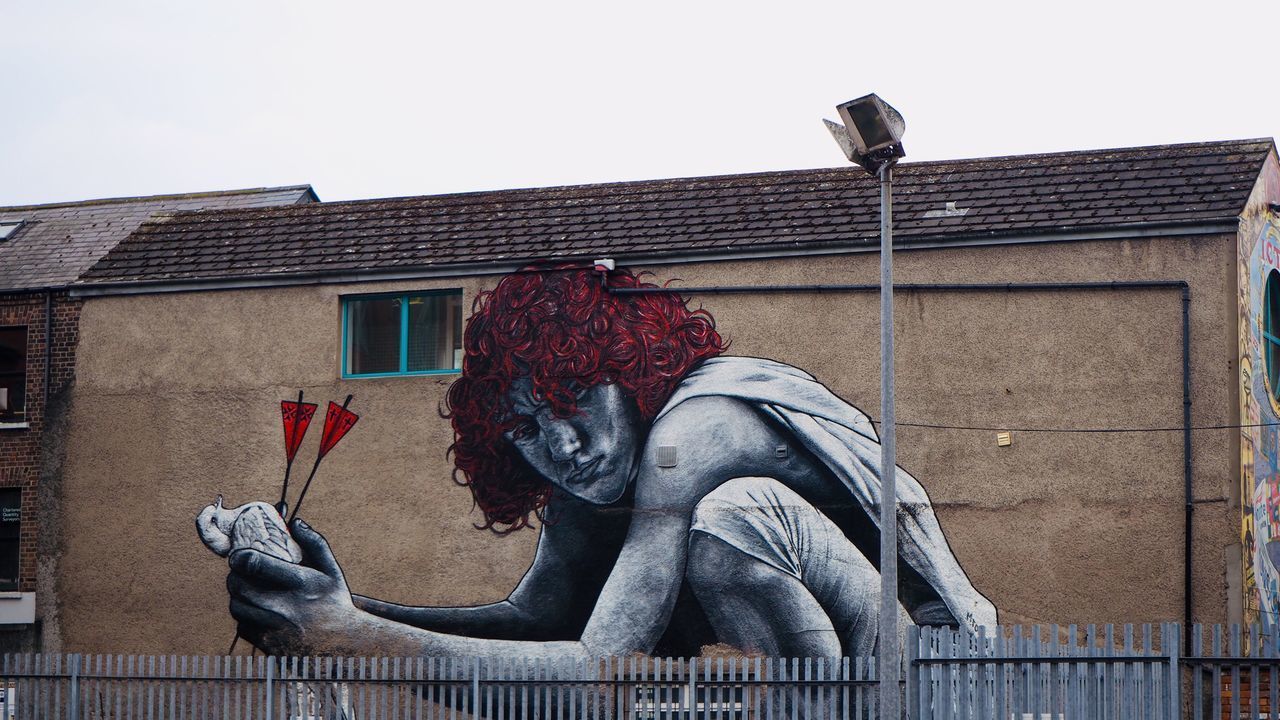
x=254 y=525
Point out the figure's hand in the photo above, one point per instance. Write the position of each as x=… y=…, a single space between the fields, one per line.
x=287 y=608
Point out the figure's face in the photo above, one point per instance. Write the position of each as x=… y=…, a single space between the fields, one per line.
x=591 y=454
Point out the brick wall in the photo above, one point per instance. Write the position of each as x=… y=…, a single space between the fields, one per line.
x=20 y=449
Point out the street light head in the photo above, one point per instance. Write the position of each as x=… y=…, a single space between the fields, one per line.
x=874 y=130
x=872 y=123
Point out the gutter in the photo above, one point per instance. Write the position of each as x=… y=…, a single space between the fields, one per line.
x=34 y=290
x=1181 y=285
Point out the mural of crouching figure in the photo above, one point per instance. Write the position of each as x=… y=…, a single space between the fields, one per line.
x=684 y=498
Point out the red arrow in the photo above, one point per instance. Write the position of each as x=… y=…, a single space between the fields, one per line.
x=337 y=422
x=296 y=417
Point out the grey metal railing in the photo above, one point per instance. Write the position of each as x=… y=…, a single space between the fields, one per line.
x=92 y=687
x=1007 y=673
x=1053 y=673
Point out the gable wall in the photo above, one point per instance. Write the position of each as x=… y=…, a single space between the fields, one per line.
x=177 y=401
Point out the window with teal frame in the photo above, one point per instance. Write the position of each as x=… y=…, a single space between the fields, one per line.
x=402 y=334
x=1271 y=332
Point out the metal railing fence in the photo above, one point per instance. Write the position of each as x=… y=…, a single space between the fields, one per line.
x=1007 y=673
x=127 y=687
x=1053 y=673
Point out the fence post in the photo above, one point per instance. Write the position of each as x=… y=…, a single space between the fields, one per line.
x=271 y=664
x=913 y=670
x=475 y=686
x=73 y=710
x=692 y=704
x=1175 y=671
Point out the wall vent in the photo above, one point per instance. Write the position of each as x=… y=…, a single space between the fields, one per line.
x=666 y=456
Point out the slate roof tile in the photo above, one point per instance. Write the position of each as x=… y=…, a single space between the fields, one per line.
x=58 y=242
x=1049 y=193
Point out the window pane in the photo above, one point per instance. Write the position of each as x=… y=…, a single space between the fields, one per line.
x=434 y=337
x=8 y=564
x=1271 y=330
x=13 y=371
x=10 y=532
x=373 y=336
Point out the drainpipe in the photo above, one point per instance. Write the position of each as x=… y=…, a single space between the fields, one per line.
x=1181 y=285
x=1187 y=498
x=48 y=354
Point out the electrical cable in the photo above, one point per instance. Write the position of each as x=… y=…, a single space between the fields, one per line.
x=1066 y=431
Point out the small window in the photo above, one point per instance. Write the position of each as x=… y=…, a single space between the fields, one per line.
x=13 y=373
x=7 y=228
x=410 y=334
x=10 y=536
x=1271 y=333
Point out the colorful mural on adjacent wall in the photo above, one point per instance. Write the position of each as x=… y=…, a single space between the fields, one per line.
x=1259 y=312
x=683 y=498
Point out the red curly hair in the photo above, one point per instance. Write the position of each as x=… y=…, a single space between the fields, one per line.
x=560 y=328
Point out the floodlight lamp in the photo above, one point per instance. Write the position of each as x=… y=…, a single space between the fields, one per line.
x=873 y=130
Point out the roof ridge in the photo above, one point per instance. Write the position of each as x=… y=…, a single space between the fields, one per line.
x=317 y=213
x=155 y=198
x=1204 y=144
x=637 y=186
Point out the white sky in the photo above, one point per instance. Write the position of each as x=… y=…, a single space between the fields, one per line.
x=370 y=99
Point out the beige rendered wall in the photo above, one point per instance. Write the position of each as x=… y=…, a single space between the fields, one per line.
x=177 y=400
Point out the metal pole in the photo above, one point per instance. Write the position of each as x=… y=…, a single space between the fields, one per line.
x=475 y=687
x=270 y=690
x=73 y=709
x=890 y=702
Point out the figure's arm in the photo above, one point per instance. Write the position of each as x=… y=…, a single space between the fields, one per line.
x=501 y=619
x=630 y=615
x=287 y=608
x=283 y=607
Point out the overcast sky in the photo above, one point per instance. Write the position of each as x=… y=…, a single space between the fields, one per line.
x=371 y=99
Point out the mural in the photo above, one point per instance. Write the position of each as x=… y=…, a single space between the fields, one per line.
x=1259 y=309
x=683 y=497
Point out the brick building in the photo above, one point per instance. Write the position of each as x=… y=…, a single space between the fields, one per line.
x=43 y=249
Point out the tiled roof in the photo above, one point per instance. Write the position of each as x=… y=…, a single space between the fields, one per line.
x=1171 y=185
x=57 y=243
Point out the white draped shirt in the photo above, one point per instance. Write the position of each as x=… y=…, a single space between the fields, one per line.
x=845 y=441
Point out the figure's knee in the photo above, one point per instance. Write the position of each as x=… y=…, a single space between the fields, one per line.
x=717 y=569
x=740 y=536
x=773 y=571
x=753 y=606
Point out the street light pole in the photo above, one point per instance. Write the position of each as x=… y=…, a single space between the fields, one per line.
x=872 y=137
x=890 y=652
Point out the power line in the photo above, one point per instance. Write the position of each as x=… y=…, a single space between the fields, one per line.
x=932 y=426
